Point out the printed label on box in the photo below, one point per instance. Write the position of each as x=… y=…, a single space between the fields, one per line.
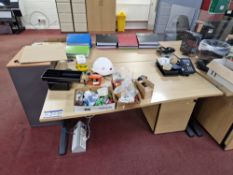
x=53 y=113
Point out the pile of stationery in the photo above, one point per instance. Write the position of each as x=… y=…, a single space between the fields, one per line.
x=106 y=41
x=128 y=41
x=148 y=40
x=94 y=98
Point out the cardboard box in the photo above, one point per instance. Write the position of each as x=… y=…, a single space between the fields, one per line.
x=137 y=101
x=221 y=70
x=105 y=107
x=146 y=88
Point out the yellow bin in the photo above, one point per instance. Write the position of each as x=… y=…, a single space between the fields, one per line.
x=121 y=16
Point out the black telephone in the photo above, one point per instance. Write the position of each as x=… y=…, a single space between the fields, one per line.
x=186 y=66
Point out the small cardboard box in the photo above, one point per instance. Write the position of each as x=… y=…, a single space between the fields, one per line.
x=221 y=70
x=145 y=87
x=94 y=108
x=137 y=101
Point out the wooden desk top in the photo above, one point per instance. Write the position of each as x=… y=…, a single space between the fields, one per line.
x=176 y=45
x=139 y=62
x=15 y=63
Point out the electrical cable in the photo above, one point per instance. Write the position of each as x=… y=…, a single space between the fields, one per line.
x=88 y=126
x=35 y=25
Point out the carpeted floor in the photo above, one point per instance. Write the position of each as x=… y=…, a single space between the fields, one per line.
x=120 y=143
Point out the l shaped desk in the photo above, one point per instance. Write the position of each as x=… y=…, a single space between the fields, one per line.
x=170 y=106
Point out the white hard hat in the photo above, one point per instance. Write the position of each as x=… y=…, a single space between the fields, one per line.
x=103 y=66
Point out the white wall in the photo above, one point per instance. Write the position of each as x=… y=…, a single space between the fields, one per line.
x=33 y=10
x=137 y=13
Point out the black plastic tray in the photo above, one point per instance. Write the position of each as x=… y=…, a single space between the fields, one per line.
x=166 y=72
x=52 y=75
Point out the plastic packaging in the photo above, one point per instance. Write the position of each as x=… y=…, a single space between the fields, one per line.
x=214 y=48
x=126 y=89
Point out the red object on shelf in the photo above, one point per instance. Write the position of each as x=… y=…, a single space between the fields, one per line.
x=127 y=40
x=206 y=5
x=231 y=6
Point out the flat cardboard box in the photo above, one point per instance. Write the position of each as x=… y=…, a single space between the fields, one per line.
x=105 y=107
x=221 y=70
x=43 y=52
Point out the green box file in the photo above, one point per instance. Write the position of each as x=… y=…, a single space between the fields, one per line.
x=219 y=6
x=72 y=51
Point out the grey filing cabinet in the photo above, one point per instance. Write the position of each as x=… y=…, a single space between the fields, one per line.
x=72 y=15
x=79 y=15
x=64 y=11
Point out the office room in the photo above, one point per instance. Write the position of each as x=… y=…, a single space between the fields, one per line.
x=116 y=87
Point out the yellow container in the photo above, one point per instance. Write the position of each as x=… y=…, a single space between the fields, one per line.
x=121 y=18
x=81 y=63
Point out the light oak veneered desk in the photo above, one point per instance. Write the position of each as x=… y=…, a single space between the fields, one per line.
x=172 y=101
x=215 y=114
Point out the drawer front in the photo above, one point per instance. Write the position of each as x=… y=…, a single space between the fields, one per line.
x=67 y=1
x=79 y=7
x=67 y=27
x=65 y=17
x=63 y=7
x=78 y=1
x=80 y=27
x=174 y=116
x=80 y=18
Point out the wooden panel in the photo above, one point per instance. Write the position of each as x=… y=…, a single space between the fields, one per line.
x=64 y=7
x=79 y=7
x=80 y=17
x=101 y=15
x=67 y=27
x=174 y=116
x=229 y=142
x=93 y=15
x=216 y=116
x=108 y=14
x=78 y=1
x=150 y=114
x=67 y=1
x=43 y=53
x=65 y=17
x=80 y=27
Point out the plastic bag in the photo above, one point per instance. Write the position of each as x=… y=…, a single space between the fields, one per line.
x=126 y=89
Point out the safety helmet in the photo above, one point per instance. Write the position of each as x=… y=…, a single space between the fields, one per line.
x=103 y=66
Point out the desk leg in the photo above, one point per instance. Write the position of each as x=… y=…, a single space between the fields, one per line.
x=196 y=127
x=63 y=138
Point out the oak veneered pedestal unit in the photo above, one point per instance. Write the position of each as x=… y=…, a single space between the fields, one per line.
x=215 y=114
x=169 y=117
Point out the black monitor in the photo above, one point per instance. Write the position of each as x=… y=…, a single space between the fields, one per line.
x=9 y=4
x=5 y=3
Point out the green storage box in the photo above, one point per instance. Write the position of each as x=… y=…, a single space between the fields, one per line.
x=219 y=6
x=72 y=51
